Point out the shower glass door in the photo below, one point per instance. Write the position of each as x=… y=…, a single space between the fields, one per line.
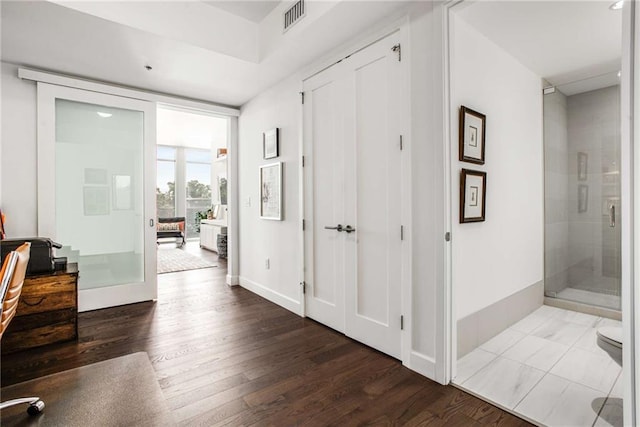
x=582 y=193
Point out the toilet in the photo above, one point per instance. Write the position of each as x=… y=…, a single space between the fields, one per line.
x=610 y=340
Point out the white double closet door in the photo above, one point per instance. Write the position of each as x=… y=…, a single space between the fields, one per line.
x=352 y=116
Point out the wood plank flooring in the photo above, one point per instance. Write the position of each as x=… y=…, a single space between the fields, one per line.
x=225 y=356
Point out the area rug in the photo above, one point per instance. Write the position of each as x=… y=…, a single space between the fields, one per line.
x=118 y=392
x=170 y=260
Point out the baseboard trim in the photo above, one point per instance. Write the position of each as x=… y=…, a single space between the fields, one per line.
x=424 y=365
x=233 y=280
x=479 y=327
x=271 y=295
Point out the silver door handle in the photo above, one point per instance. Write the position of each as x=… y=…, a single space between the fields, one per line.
x=338 y=227
x=612 y=216
x=151 y=222
x=349 y=229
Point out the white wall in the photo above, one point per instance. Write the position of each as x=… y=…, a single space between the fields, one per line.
x=260 y=239
x=503 y=255
x=18 y=174
x=427 y=229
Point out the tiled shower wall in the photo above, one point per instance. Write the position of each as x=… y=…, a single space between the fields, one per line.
x=594 y=246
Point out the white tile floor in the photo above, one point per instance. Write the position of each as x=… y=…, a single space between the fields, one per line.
x=549 y=369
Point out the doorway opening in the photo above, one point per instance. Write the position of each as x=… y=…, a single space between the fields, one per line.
x=191 y=189
x=536 y=302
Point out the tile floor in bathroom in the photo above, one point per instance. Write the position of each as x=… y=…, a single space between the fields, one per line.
x=549 y=369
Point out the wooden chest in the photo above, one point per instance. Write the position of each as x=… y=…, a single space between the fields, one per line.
x=47 y=312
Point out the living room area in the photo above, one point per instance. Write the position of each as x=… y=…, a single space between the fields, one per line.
x=191 y=190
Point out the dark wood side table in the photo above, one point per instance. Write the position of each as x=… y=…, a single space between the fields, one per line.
x=47 y=312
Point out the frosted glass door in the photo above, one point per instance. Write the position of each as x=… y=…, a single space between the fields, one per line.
x=100 y=195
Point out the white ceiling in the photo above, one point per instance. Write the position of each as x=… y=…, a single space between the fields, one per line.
x=196 y=50
x=561 y=41
x=253 y=10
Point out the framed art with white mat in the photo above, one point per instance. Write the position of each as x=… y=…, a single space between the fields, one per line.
x=271 y=191
x=471 y=136
x=473 y=190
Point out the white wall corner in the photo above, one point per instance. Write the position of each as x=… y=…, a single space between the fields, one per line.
x=271 y=295
x=233 y=280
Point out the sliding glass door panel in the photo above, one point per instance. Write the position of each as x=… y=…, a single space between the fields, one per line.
x=97 y=191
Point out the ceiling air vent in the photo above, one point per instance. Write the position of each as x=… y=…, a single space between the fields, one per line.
x=293 y=14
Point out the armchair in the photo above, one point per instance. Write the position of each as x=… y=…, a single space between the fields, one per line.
x=13 y=272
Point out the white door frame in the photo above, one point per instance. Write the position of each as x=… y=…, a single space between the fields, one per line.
x=95 y=298
x=449 y=347
x=402 y=27
x=630 y=94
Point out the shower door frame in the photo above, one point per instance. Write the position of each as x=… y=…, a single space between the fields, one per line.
x=630 y=238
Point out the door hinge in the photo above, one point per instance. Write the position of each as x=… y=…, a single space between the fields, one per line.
x=303 y=225
x=401 y=143
x=402 y=323
x=302 y=97
x=447 y=236
x=302 y=161
x=402 y=232
x=304 y=287
x=398 y=49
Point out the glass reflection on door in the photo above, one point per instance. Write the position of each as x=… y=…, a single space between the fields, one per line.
x=99 y=191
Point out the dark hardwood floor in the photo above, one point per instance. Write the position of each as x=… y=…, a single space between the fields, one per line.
x=224 y=356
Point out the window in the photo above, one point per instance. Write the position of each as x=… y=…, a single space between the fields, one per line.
x=198 y=186
x=166 y=182
x=187 y=183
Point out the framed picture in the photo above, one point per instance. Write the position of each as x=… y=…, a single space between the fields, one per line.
x=583 y=163
x=583 y=198
x=271 y=144
x=271 y=191
x=473 y=191
x=96 y=201
x=471 y=136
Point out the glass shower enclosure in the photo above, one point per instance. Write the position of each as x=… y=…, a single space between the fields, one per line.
x=582 y=192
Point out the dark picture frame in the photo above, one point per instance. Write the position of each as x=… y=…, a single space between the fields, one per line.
x=471 y=138
x=473 y=195
x=271 y=144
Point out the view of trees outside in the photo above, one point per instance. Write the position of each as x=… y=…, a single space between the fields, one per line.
x=165 y=182
x=196 y=177
x=166 y=201
x=198 y=199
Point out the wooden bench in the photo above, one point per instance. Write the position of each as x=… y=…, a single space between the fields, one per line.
x=173 y=227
